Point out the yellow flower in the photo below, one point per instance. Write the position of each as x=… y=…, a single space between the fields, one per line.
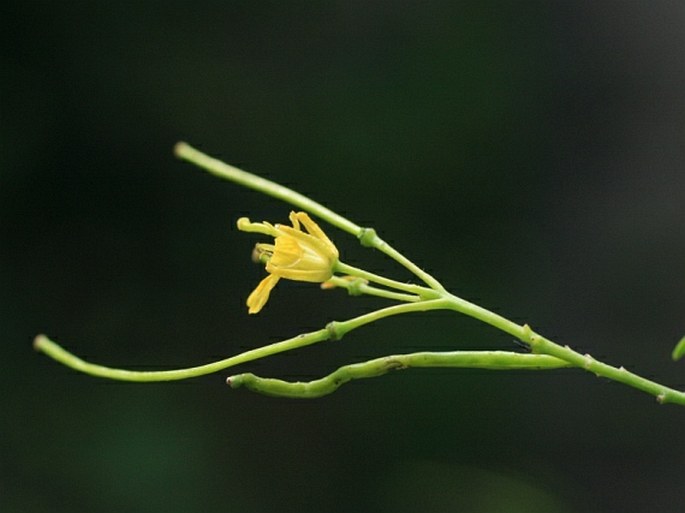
x=295 y=255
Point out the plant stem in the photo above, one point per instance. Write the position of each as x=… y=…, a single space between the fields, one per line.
x=334 y=330
x=484 y=315
x=542 y=345
x=423 y=292
x=358 y=286
x=340 y=328
x=56 y=352
x=374 y=241
x=663 y=394
x=231 y=173
x=492 y=360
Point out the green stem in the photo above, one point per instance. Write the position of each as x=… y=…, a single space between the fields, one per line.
x=218 y=168
x=335 y=330
x=492 y=360
x=542 y=345
x=56 y=352
x=340 y=328
x=423 y=292
x=484 y=315
x=663 y=394
x=358 y=286
x=370 y=238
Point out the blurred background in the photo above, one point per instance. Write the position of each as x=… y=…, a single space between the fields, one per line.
x=529 y=154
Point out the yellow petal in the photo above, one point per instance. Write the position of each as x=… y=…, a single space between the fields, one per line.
x=293 y=220
x=287 y=252
x=260 y=295
x=313 y=228
x=310 y=275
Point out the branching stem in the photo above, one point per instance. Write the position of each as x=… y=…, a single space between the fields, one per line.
x=413 y=298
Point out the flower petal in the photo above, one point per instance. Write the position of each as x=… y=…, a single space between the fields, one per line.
x=256 y=301
x=287 y=252
x=313 y=275
x=245 y=225
x=316 y=231
x=293 y=220
x=317 y=244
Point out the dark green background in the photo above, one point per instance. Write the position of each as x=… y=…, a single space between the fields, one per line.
x=530 y=155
